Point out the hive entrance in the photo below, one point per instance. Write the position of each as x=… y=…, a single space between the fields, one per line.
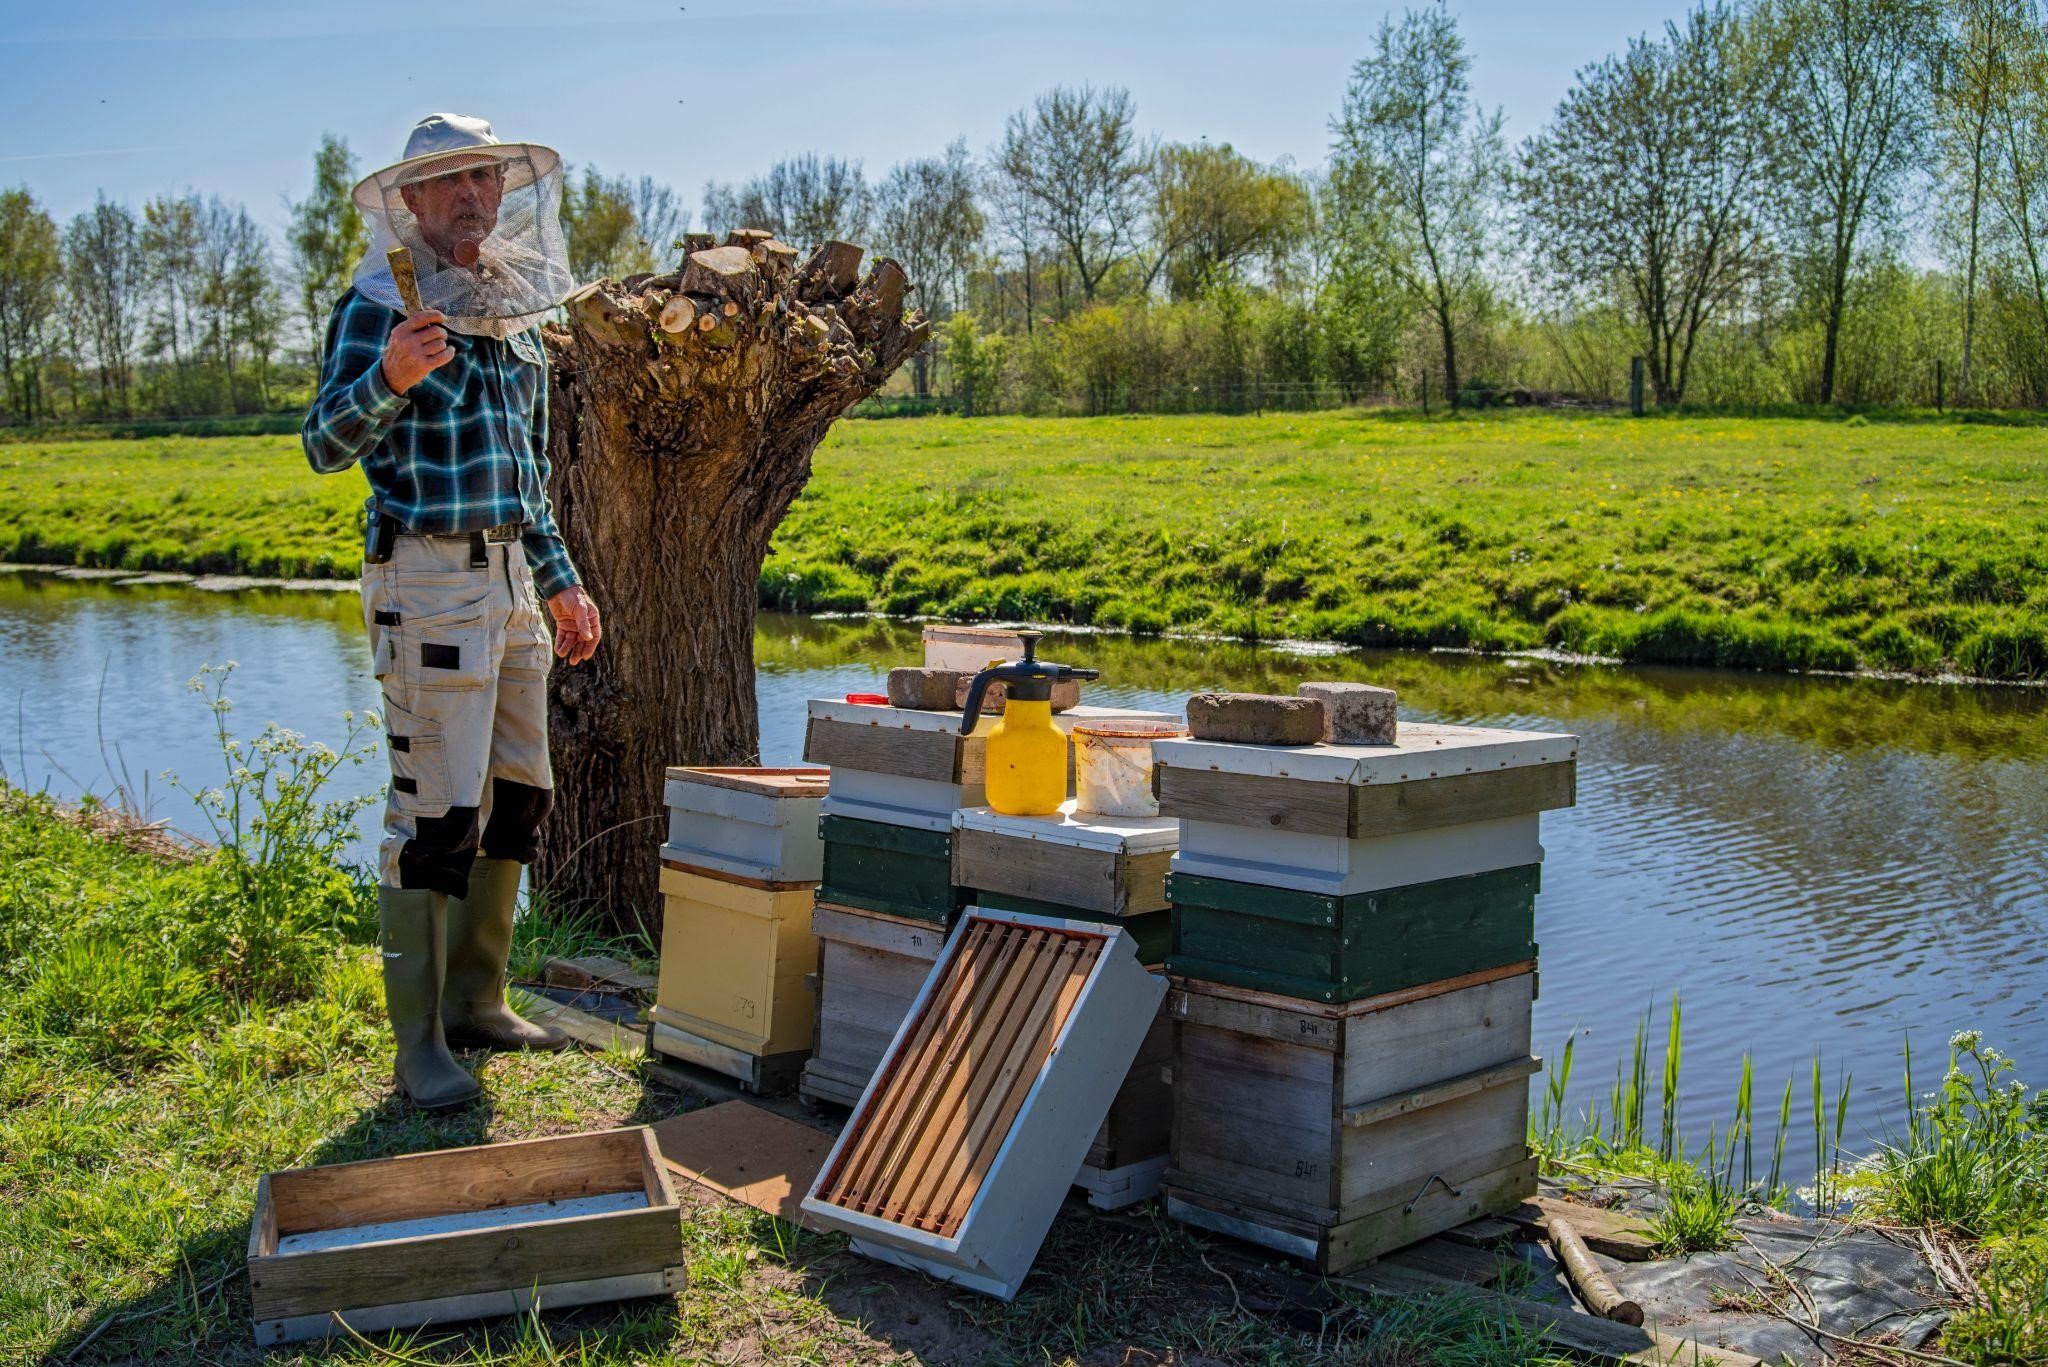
x=937 y=1119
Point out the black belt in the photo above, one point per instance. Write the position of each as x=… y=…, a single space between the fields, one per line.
x=504 y=534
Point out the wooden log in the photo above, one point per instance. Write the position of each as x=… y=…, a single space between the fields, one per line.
x=748 y=237
x=1594 y=1286
x=890 y=284
x=1615 y=1233
x=777 y=259
x=679 y=314
x=723 y=272
x=830 y=273
x=698 y=242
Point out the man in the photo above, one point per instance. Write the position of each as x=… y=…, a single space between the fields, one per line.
x=446 y=412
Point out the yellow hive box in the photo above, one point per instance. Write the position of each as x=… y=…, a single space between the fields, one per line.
x=733 y=960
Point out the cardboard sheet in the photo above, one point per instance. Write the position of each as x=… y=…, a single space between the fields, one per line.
x=753 y=1155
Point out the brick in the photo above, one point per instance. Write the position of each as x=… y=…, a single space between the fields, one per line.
x=1354 y=713
x=1255 y=718
x=925 y=690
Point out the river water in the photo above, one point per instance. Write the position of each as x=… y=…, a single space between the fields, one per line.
x=1810 y=865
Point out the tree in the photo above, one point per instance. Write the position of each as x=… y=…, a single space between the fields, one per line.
x=603 y=230
x=1974 y=82
x=327 y=237
x=1419 y=166
x=1848 y=127
x=2019 y=187
x=1077 y=163
x=928 y=220
x=1214 y=210
x=804 y=200
x=30 y=273
x=170 y=253
x=103 y=277
x=659 y=219
x=679 y=434
x=1647 y=179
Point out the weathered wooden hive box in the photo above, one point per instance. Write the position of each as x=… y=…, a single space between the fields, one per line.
x=433 y=1238
x=1087 y=867
x=739 y=870
x=870 y=969
x=1354 y=959
x=1335 y=872
x=759 y=824
x=1339 y=1132
x=957 y=1158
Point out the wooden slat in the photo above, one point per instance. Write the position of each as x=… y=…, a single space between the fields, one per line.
x=1460 y=799
x=938 y=756
x=1618 y=1234
x=1255 y=800
x=1450 y=1089
x=448 y=1181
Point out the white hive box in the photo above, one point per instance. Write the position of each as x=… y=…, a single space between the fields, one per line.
x=958 y=1156
x=1442 y=802
x=905 y=767
x=746 y=823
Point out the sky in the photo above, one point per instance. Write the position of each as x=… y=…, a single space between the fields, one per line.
x=138 y=99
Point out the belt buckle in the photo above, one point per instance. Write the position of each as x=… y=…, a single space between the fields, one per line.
x=504 y=533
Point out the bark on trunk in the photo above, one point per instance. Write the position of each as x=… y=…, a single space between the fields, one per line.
x=676 y=454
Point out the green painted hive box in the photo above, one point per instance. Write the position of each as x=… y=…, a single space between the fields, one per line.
x=1324 y=948
x=894 y=870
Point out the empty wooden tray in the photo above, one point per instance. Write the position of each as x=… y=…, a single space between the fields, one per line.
x=462 y=1234
x=961 y=1149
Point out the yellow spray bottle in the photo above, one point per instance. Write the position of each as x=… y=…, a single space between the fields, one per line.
x=1026 y=762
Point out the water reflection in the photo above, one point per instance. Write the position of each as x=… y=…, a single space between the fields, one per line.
x=1812 y=863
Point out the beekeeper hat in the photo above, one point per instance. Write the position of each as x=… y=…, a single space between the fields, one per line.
x=441 y=143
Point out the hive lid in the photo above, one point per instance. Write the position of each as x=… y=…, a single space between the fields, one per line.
x=911 y=719
x=1086 y=830
x=785 y=783
x=1423 y=750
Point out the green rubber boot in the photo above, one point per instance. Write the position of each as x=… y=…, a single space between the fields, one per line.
x=473 y=1013
x=412 y=926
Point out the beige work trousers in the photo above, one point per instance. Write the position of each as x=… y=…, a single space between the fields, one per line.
x=463 y=654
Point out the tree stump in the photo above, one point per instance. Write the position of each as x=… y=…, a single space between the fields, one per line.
x=677 y=448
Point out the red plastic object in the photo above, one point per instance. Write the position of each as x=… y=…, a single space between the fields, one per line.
x=869 y=699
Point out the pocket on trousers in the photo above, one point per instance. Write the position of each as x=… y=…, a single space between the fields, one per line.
x=446 y=650
x=419 y=761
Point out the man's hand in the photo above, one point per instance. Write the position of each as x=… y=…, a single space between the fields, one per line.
x=576 y=626
x=415 y=347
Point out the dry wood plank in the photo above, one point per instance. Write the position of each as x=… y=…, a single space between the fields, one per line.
x=1594 y=1286
x=1447 y=1257
x=617 y=1244
x=1617 y=1234
x=938 y=756
x=1421 y=1098
x=978 y=1076
x=592 y=1032
x=599 y=971
x=450 y=1181
x=1020 y=1072
x=1487 y=1233
x=1459 y=799
x=1256 y=800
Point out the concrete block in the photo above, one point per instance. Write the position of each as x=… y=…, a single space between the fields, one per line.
x=1354 y=713
x=926 y=690
x=1255 y=719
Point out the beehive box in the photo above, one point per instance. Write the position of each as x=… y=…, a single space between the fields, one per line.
x=900 y=766
x=748 y=823
x=1325 y=948
x=1338 y=1133
x=957 y=1157
x=1342 y=819
x=870 y=969
x=731 y=996
x=901 y=871
x=433 y=1238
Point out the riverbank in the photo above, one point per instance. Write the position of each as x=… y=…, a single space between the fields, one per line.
x=150 y=1078
x=1758 y=543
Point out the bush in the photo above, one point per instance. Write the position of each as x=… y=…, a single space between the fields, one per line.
x=2017 y=651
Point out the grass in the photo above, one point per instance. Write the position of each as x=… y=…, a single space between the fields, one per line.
x=1971 y=1172
x=160 y=1049
x=1778 y=543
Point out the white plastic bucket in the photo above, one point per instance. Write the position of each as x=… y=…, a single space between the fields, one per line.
x=1113 y=766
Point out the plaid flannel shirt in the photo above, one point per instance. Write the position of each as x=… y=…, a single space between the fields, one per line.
x=463 y=450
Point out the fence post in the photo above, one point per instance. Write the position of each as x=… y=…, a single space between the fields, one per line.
x=1940 y=381
x=1425 y=392
x=1635 y=386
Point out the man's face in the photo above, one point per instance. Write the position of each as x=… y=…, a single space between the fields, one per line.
x=460 y=204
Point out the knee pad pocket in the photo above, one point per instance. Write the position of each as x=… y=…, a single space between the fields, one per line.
x=517 y=809
x=438 y=857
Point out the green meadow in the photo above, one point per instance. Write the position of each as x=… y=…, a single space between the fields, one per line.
x=1909 y=543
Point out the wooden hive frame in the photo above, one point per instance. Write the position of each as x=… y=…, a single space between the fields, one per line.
x=961 y=1149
